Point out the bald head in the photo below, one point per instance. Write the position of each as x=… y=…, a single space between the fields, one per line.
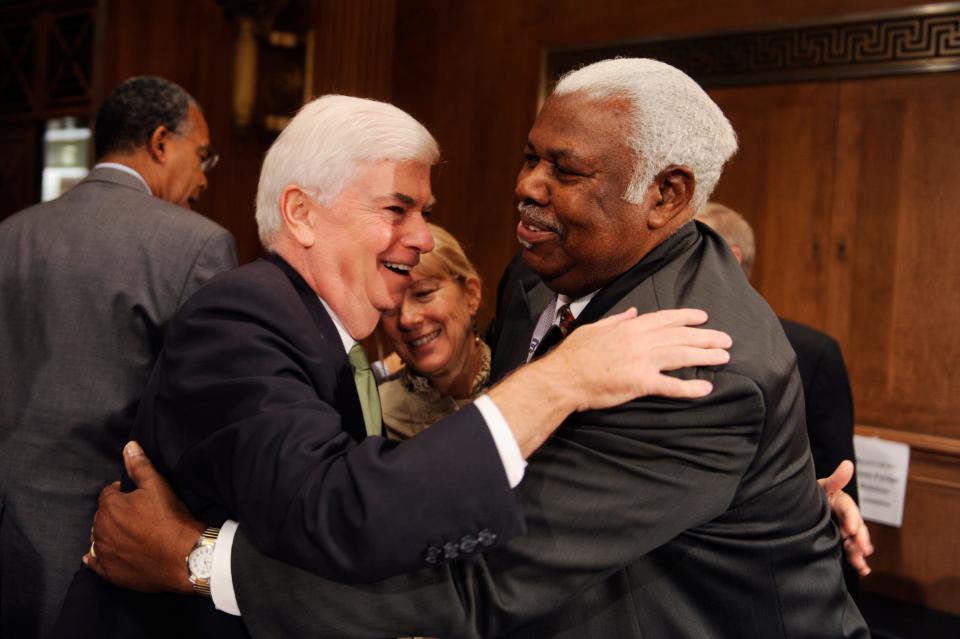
x=735 y=231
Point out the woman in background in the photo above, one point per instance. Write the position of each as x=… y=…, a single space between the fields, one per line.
x=434 y=333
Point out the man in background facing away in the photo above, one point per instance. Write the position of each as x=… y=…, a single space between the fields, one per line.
x=88 y=282
x=826 y=387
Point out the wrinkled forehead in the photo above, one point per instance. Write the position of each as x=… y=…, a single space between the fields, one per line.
x=403 y=182
x=581 y=124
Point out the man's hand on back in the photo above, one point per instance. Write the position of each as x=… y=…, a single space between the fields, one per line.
x=141 y=538
x=856 y=537
x=607 y=363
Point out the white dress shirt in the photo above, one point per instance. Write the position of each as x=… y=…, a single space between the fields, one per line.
x=551 y=317
x=126 y=169
x=221 y=581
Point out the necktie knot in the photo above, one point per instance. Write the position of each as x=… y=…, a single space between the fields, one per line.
x=566 y=319
x=358 y=358
x=366 y=389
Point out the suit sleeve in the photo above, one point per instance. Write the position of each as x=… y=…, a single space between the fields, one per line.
x=607 y=489
x=830 y=414
x=246 y=422
x=217 y=254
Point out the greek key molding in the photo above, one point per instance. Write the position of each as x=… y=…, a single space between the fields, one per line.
x=921 y=39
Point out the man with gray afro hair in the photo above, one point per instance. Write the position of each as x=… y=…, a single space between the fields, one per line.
x=672 y=120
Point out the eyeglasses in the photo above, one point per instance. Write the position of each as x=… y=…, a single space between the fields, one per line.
x=208 y=157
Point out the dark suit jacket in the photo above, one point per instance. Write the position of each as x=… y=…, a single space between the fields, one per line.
x=87 y=283
x=829 y=408
x=253 y=414
x=658 y=518
x=827 y=397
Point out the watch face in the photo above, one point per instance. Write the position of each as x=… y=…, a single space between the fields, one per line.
x=201 y=562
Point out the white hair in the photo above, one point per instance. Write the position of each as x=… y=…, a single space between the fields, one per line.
x=323 y=147
x=674 y=122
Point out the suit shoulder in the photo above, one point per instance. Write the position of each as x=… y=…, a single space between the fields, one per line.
x=24 y=216
x=177 y=217
x=121 y=201
x=254 y=283
x=806 y=337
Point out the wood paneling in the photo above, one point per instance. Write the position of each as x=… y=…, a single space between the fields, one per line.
x=782 y=181
x=917 y=562
x=896 y=208
x=354 y=47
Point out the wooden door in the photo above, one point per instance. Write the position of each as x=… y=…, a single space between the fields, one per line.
x=781 y=180
x=852 y=188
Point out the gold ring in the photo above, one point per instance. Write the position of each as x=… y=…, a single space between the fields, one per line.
x=93 y=551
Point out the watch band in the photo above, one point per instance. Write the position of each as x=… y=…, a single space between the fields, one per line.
x=200 y=584
x=211 y=533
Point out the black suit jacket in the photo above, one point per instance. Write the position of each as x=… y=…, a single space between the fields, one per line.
x=827 y=397
x=829 y=409
x=658 y=518
x=253 y=415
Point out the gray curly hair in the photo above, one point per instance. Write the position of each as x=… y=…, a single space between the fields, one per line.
x=674 y=122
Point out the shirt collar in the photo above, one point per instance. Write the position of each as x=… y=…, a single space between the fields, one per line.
x=345 y=337
x=576 y=305
x=116 y=166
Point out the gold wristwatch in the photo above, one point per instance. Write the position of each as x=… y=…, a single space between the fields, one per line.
x=200 y=561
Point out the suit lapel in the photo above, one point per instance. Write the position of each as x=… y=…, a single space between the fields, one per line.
x=523 y=303
x=529 y=298
x=345 y=398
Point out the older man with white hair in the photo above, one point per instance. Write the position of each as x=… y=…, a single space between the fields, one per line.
x=259 y=409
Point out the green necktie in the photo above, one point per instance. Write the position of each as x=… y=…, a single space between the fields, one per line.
x=366 y=389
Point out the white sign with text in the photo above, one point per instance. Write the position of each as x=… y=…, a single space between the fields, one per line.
x=881 y=478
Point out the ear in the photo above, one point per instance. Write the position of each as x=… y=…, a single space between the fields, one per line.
x=156 y=145
x=297 y=215
x=471 y=290
x=737 y=253
x=674 y=190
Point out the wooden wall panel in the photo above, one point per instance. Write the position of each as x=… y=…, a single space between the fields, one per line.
x=899 y=194
x=918 y=561
x=354 y=47
x=782 y=181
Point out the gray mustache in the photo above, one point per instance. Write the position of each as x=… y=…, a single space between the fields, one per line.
x=533 y=214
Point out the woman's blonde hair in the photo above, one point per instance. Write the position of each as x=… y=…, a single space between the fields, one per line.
x=447 y=258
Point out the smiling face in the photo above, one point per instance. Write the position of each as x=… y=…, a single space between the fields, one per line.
x=363 y=246
x=577 y=231
x=432 y=330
